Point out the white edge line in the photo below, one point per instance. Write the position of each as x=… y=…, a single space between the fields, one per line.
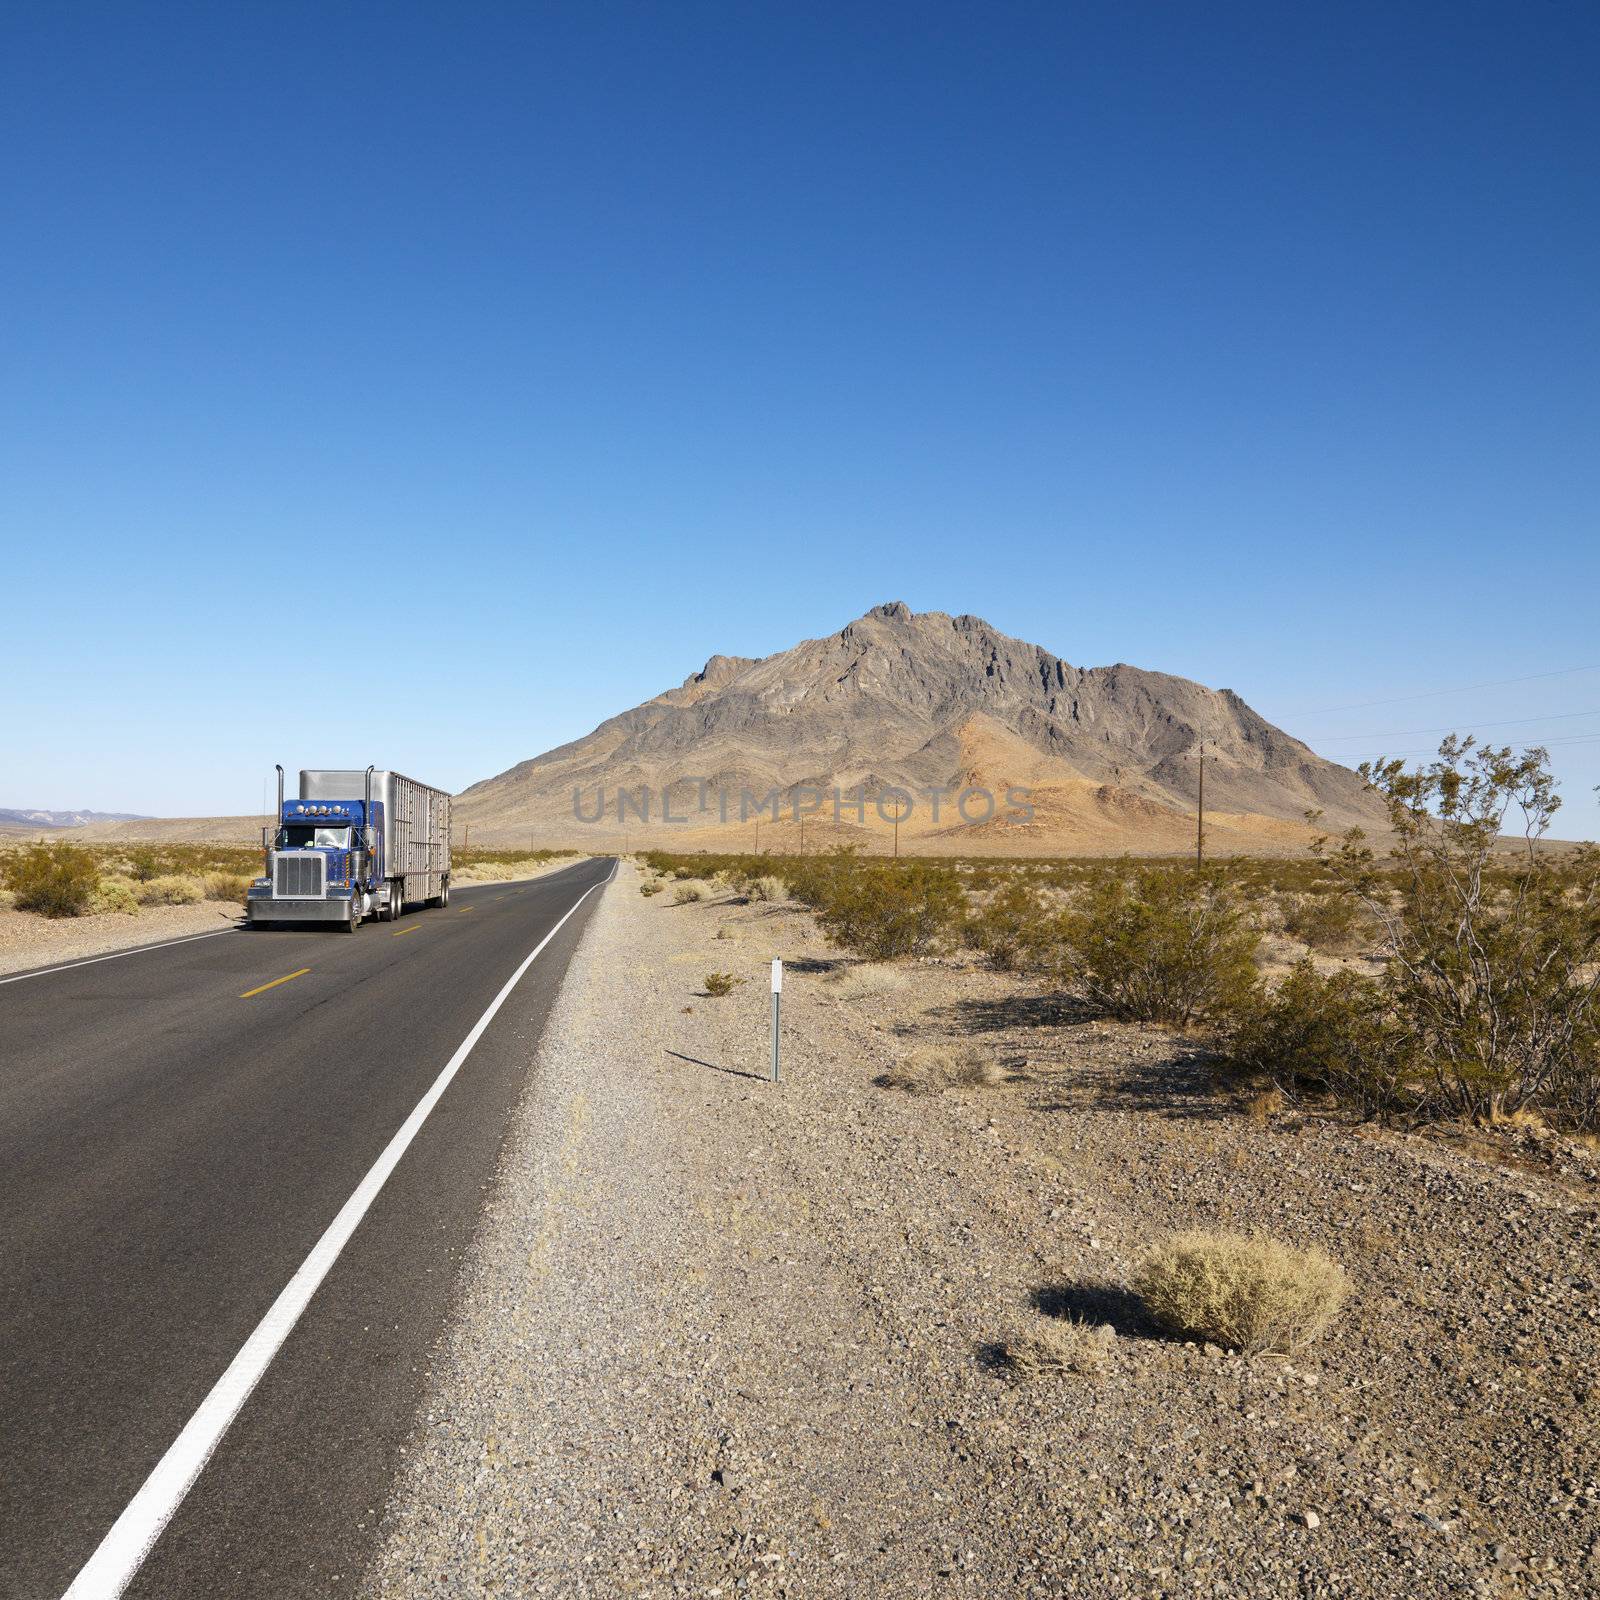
x=123 y=1550
x=117 y=955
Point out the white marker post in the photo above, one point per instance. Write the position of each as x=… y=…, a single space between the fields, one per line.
x=777 y=1003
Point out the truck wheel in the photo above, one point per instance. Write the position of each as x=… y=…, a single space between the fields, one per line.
x=354 y=920
x=444 y=893
x=397 y=901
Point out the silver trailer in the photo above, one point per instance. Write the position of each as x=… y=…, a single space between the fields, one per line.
x=415 y=846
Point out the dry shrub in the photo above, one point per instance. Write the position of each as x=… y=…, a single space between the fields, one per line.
x=1046 y=1347
x=1262 y=1106
x=1247 y=1293
x=686 y=894
x=767 y=888
x=170 y=890
x=114 y=894
x=56 y=880
x=228 y=886
x=862 y=982
x=1328 y=922
x=649 y=887
x=933 y=1068
x=8 y=901
x=719 y=984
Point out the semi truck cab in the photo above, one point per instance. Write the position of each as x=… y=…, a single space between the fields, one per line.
x=354 y=844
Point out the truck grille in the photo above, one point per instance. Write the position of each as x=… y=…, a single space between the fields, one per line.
x=299 y=877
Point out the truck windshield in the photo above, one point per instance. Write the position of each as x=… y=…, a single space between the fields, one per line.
x=308 y=836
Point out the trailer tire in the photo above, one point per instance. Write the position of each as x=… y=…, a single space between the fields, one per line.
x=397 y=900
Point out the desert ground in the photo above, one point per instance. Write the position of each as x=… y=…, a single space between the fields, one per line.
x=726 y=1336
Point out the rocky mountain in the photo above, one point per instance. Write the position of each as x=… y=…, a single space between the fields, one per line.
x=1107 y=758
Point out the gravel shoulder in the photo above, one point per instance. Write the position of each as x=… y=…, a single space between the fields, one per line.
x=719 y=1336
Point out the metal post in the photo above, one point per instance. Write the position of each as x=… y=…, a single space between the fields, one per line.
x=1200 y=815
x=777 y=1009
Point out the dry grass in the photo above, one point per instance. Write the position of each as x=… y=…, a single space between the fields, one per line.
x=1247 y=1293
x=687 y=894
x=861 y=982
x=933 y=1068
x=1262 y=1106
x=227 y=886
x=171 y=889
x=767 y=888
x=1049 y=1346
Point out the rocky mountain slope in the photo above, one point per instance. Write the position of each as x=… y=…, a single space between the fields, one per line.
x=920 y=703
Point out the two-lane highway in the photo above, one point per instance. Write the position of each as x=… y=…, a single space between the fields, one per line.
x=179 y=1129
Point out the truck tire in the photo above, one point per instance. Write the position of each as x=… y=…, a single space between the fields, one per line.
x=353 y=921
x=397 y=900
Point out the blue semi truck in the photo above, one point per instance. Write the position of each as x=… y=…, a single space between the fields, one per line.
x=355 y=844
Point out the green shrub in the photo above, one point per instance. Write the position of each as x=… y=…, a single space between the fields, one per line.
x=114 y=894
x=1160 y=944
x=890 y=911
x=719 y=984
x=1331 y=1033
x=1009 y=929
x=56 y=880
x=1493 y=955
x=1246 y=1293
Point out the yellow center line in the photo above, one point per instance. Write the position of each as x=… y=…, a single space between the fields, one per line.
x=403 y=932
x=466 y=909
x=274 y=984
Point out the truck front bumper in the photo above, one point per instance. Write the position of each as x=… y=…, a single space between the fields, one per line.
x=265 y=908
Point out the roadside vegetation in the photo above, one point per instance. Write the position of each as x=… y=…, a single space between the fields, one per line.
x=57 y=878
x=1454 y=976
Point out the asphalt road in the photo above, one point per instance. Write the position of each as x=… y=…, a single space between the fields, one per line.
x=171 y=1150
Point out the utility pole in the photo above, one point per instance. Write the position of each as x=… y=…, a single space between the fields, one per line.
x=1200 y=815
x=758 y=838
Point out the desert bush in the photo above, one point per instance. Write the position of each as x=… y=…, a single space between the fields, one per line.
x=143 y=864
x=8 y=900
x=1333 y=1033
x=686 y=894
x=719 y=984
x=1048 y=1346
x=56 y=880
x=171 y=889
x=933 y=1068
x=863 y=981
x=649 y=887
x=225 y=886
x=1329 y=922
x=891 y=911
x=766 y=888
x=114 y=894
x=1493 y=956
x=1160 y=944
x=1009 y=929
x=1246 y=1293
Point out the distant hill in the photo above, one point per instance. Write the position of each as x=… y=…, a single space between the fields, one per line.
x=920 y=702
x=64 y=819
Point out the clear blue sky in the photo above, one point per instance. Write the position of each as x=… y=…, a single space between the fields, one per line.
x=423 y=384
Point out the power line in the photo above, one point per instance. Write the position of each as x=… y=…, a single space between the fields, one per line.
x=1406 y=733
x=1433 y=694
x=1542 y=744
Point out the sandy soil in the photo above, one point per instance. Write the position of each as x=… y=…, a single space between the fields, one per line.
x=28 y=940
x=721 y=1336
